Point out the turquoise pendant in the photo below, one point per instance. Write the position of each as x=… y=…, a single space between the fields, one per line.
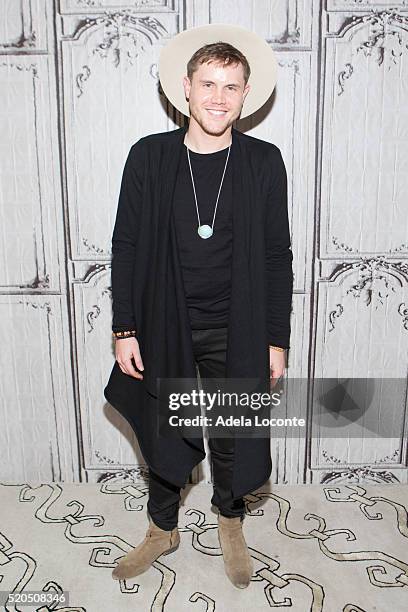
x=205 y=231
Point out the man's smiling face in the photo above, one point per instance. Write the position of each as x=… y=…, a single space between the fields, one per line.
x=216 y=94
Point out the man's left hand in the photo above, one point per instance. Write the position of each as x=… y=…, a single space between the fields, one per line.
x=277 y=362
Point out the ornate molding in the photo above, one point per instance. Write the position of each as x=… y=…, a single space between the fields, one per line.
x=379 y=22
x=373 y=283
x=402 y=247
x=81 y=78
x=39 y=282
x=119 y=40
x=403 y=311
x=95 y=311
x=381 y=32
x=386 y=459
x=292 y=63
x=133 y=475
x=346 y=248
x=94 y=270
x=288 y=37
x=335 y=314
x=90 y=3
x=92 y=248
x=26 y=41
x=379 y=19
x=32 y=67
x=343 y=76
x=358 y=474
x=341 y=246
x=40 y=306
x=374 y=271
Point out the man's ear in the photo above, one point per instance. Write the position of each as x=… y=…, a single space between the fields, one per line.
x=246 y=90
x=187 y=86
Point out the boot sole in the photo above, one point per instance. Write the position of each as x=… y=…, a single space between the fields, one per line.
x=168 y=552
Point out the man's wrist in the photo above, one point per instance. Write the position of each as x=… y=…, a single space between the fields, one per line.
x=277 y=348
x=128 y=333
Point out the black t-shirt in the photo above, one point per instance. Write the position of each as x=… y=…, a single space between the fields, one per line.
x=206 y=263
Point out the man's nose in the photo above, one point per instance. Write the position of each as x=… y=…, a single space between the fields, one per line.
x=218 y=96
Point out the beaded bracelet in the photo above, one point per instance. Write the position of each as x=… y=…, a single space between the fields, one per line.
x=124 y=334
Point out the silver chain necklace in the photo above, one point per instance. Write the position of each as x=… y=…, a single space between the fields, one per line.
x=205 y=231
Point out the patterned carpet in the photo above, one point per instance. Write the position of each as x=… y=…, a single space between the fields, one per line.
x=315 y=548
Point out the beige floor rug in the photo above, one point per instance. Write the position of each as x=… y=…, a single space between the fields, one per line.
x=315 y=548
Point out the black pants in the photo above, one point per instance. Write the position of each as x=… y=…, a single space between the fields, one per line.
x=209 y=346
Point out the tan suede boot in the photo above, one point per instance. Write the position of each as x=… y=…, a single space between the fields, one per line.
x=156 y=542
x=237 y=560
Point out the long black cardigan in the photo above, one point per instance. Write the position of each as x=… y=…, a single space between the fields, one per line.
x=148 y=293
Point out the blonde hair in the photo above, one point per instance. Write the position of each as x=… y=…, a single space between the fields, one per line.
x=219 y=52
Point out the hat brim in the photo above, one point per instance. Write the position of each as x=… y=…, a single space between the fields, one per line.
x=261 y=58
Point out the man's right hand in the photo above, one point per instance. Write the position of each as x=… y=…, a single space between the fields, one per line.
x=125 y=349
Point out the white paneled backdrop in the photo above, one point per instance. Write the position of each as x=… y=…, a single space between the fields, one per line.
x=78 y=86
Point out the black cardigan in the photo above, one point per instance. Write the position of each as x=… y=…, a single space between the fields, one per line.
x=148 y=294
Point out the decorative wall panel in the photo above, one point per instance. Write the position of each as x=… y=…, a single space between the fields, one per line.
x=103 y=117
x=38 y=431
x=28 y=191
x=364 y=153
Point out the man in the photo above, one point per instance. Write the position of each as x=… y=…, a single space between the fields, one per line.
x=201 y=277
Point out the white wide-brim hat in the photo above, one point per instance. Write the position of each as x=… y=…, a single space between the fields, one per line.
x=178 y=51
